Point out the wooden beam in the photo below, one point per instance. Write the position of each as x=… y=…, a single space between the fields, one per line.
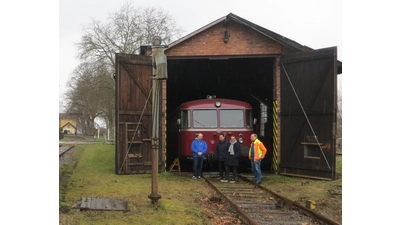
x=135 y=113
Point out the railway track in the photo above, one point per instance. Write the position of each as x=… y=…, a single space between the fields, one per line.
x=65 y=154
x=64 y=148
x=256 y=204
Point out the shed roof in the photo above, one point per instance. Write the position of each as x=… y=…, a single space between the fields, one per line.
x=268 y=33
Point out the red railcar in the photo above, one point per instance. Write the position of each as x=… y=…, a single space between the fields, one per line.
x=211 y=117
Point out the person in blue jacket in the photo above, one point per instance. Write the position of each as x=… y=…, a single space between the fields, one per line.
x=199 y=149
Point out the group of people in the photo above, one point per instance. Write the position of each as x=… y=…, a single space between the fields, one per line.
x=227 y=153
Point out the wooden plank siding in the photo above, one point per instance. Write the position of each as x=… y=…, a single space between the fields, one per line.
x=134 y=115
x=308 y=128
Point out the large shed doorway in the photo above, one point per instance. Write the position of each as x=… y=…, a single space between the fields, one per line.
x=248 y=79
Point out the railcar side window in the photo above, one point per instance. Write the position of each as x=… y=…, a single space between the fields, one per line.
x=231 y=118
x=249 y=118
x=185 y=119
x=204 y=118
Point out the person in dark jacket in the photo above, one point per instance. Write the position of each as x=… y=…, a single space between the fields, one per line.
x=221 y=151
x=232 y=160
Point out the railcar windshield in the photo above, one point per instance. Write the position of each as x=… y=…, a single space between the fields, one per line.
x=231 y=118
x=204 y=118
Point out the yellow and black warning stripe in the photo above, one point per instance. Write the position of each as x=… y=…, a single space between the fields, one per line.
x=275 y=137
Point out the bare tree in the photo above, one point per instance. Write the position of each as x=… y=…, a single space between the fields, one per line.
x=125 y=31
x=339 y=109
x=92 y=89
x=84 y=95
x=107 y=97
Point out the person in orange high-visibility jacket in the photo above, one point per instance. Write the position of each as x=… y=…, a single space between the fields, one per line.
x=257 y=152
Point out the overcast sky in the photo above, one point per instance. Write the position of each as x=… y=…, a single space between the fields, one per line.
x=314 y=23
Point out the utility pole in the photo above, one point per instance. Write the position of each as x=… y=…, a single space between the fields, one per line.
x=159 y=62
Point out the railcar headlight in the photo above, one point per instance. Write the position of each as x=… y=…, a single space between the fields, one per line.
x=217 y=104
x=241 y=140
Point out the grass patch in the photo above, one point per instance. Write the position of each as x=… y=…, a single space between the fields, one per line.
x=293 y=187
x=94 y=176
x=64 y=140
x=327 y=194
x=183 y=200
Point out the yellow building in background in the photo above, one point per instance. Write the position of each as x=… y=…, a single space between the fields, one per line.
x=68 y=124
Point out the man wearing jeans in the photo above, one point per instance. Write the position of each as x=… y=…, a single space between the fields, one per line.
x=257 y=152
x=199 y=149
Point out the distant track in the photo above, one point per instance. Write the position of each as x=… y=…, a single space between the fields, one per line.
x=256 y=204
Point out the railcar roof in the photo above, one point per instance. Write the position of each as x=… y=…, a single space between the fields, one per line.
x=209 y=103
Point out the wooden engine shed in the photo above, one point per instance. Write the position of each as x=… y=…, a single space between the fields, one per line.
x=291 y=87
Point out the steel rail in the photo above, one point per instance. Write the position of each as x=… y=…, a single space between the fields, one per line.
x=242 y=214
x=288 y=203
x=279 y=203
x=66 y=150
